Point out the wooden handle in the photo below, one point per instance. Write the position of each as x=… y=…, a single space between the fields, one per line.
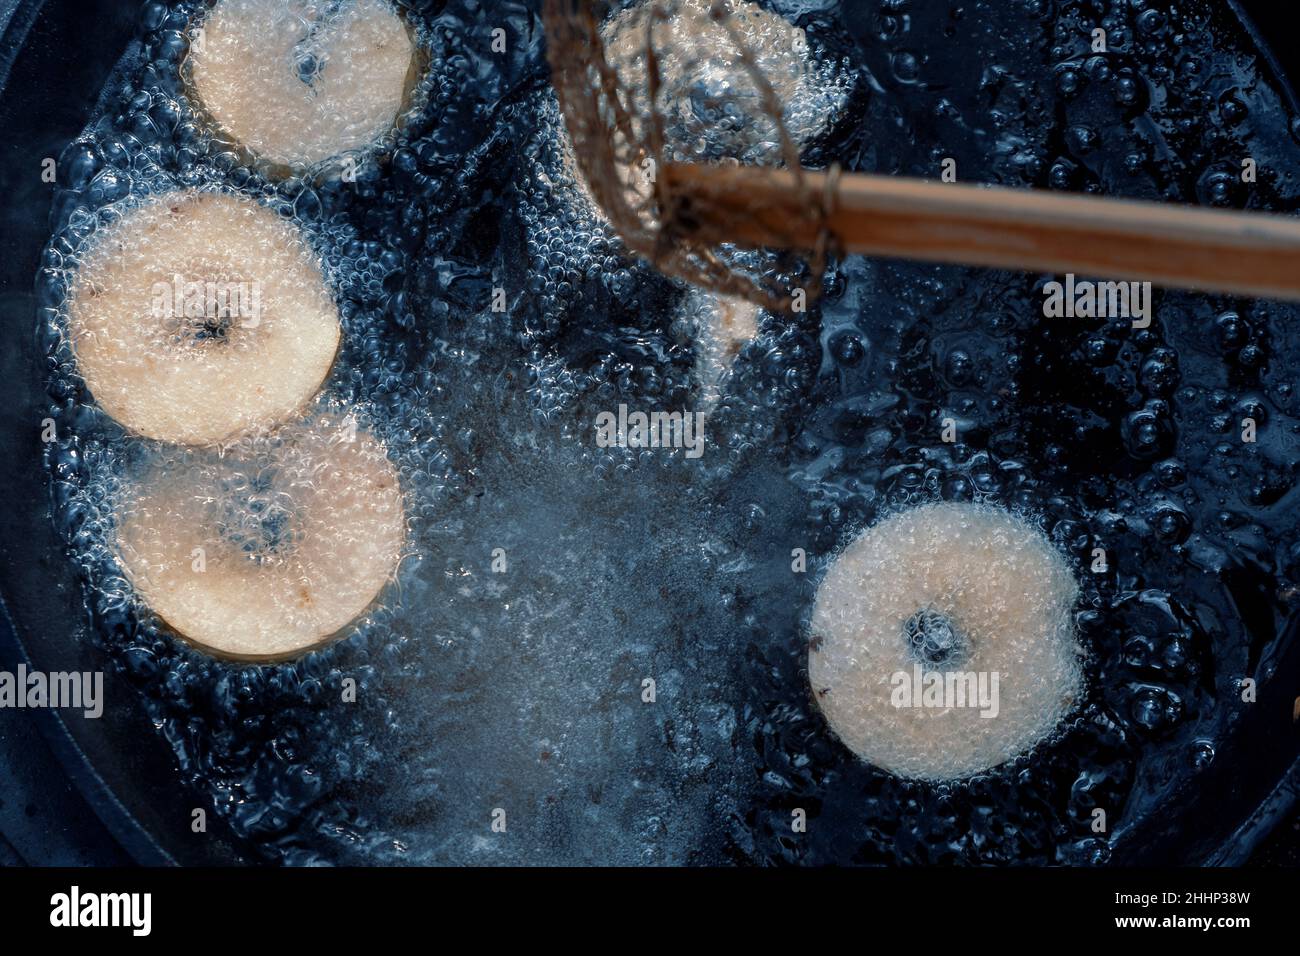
x=1211 y=250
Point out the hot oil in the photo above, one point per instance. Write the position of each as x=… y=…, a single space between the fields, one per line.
x=548 y=578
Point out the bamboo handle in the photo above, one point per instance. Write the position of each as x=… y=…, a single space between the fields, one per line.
x=1210 y=250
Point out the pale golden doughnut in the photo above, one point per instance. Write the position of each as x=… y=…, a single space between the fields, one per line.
x=299 y=83
x=271 y=548
x=1008 y=596
x=258 y=337
x=698 y=53
x=724 y=325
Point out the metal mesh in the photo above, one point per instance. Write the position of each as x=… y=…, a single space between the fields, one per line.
x=652 y=91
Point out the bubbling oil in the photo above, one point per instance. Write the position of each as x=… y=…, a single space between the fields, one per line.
x=468 y=689
x=475 y=688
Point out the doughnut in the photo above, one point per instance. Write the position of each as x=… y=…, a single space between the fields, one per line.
x=709 y=103
x=711 y=106
x=936 y=590
x=724 y=324
x=294 y=534
x=299 y=83
x=198 y=315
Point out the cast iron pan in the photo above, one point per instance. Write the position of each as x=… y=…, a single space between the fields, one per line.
x=55 y=58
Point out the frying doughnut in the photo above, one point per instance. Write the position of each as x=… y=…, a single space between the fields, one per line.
x=710 y=104
x=273 y=547
x=945 y=589
x=724 y=325
x=300 y=83
x=199 y=315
